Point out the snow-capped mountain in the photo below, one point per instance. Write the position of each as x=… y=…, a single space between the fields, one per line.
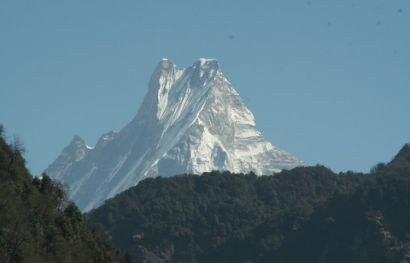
x=191 y=121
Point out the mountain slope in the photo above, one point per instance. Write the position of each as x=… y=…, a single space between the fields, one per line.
x=370 y=225
x=215 y=217
x=307 y=214
x=36 y=222
x=191 y=121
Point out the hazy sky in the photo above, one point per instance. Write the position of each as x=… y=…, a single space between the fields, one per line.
x=327 y=80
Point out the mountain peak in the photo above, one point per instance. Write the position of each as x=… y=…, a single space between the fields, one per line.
x=165 y=63
x=74 y=152
x=403 y=157
x=163 y=68
x=207 y=62
x=191 y=121
x=77 y=140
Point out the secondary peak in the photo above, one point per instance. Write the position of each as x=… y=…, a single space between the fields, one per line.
x=207 y=61
x=165 y=63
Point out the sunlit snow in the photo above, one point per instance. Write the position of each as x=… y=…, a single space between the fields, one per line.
x=191 y=121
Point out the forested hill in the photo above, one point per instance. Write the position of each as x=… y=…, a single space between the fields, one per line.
x=37 y=224
x=307 y=214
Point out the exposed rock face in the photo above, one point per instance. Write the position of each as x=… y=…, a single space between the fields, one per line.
x=191 y=121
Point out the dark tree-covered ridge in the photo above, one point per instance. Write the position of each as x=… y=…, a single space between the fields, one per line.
x=37 y=223
x=307 y=214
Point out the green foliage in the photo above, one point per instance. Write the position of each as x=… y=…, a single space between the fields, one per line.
x=308 y=214
x=37 y=224
x=371 y=225
x=210 y=218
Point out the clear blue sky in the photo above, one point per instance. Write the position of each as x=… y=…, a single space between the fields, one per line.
x=328 y=80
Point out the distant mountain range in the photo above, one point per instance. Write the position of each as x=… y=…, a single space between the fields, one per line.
x=191 y=121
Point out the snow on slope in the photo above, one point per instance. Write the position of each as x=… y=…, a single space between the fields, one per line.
x=191 y=121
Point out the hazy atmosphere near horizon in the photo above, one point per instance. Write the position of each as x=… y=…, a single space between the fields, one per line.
x=328 y=81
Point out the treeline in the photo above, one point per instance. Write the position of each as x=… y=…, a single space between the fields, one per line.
x=308 y=214
x=38 y=224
